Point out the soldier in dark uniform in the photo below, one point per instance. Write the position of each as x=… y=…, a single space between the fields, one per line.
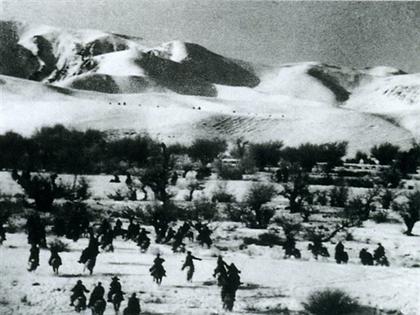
x=114 y=287
x=133 y=307
x=97 y=294
x=78 y=290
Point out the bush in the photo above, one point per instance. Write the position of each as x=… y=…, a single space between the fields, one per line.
x=339 y=196
x=123 y=194
x=203 y=209
x=228 y=172
x=206 y=150
x=330 y=302
x=385 y=153
x=234 y=212
x=265 y=154
x=221 y=195
x=264 y=239
x=321 y=198
x=168 y=212
x=409 y=211
x=380 y=216
x=59 y=246
x=76 y=191
x=257 y=196
x=71 y=220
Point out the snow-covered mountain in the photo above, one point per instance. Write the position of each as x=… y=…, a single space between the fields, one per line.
x=180 y=90
x=112 y=63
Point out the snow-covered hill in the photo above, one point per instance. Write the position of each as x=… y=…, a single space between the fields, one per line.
x=178 y=91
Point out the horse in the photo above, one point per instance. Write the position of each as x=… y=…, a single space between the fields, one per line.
x=89 y=265
x=55 y=263
x=98 y=307
x=80 y=303
x=158 y=274
x=116 y=300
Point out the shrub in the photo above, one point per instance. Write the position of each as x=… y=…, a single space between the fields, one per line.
x=409 y=211
x=203 y=209
x=221 y=195
x=330 y=302
x=193 y=185
x=79 y=190
x=385 y=153
x=236 y=213
x=321 y=198
x=71 y=220
x=339 y=196
x=386 y=198
x=264 y=239
x=380 y=216
x=228 y=172
x=257 y=196
x=58 y=245
x=168 y=212
x=265 y=154
x=291 y=225
x=122 y=194
x=206 y=150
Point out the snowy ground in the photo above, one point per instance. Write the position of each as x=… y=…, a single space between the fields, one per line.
x=269 y=280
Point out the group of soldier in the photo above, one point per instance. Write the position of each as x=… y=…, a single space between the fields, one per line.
x=340 y=256
x=227 y=275
x=97 y=298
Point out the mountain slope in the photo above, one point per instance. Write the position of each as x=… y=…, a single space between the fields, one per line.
x=179 y=91
x=178 y=118
x=63 y=57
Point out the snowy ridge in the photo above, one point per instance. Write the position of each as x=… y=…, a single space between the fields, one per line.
x=179 y=91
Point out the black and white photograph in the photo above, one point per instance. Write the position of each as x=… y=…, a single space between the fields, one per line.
x=209 y=157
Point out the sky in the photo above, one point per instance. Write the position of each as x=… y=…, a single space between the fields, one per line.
x=357 y=34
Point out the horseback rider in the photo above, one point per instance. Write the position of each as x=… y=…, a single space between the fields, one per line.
x=114 y=287
x=54 y=255
x=189 y=262
x=97 y=294
x=221 y=270
x=143 y=241
x=133 y=306
x=157 y=271
x=78 y=291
